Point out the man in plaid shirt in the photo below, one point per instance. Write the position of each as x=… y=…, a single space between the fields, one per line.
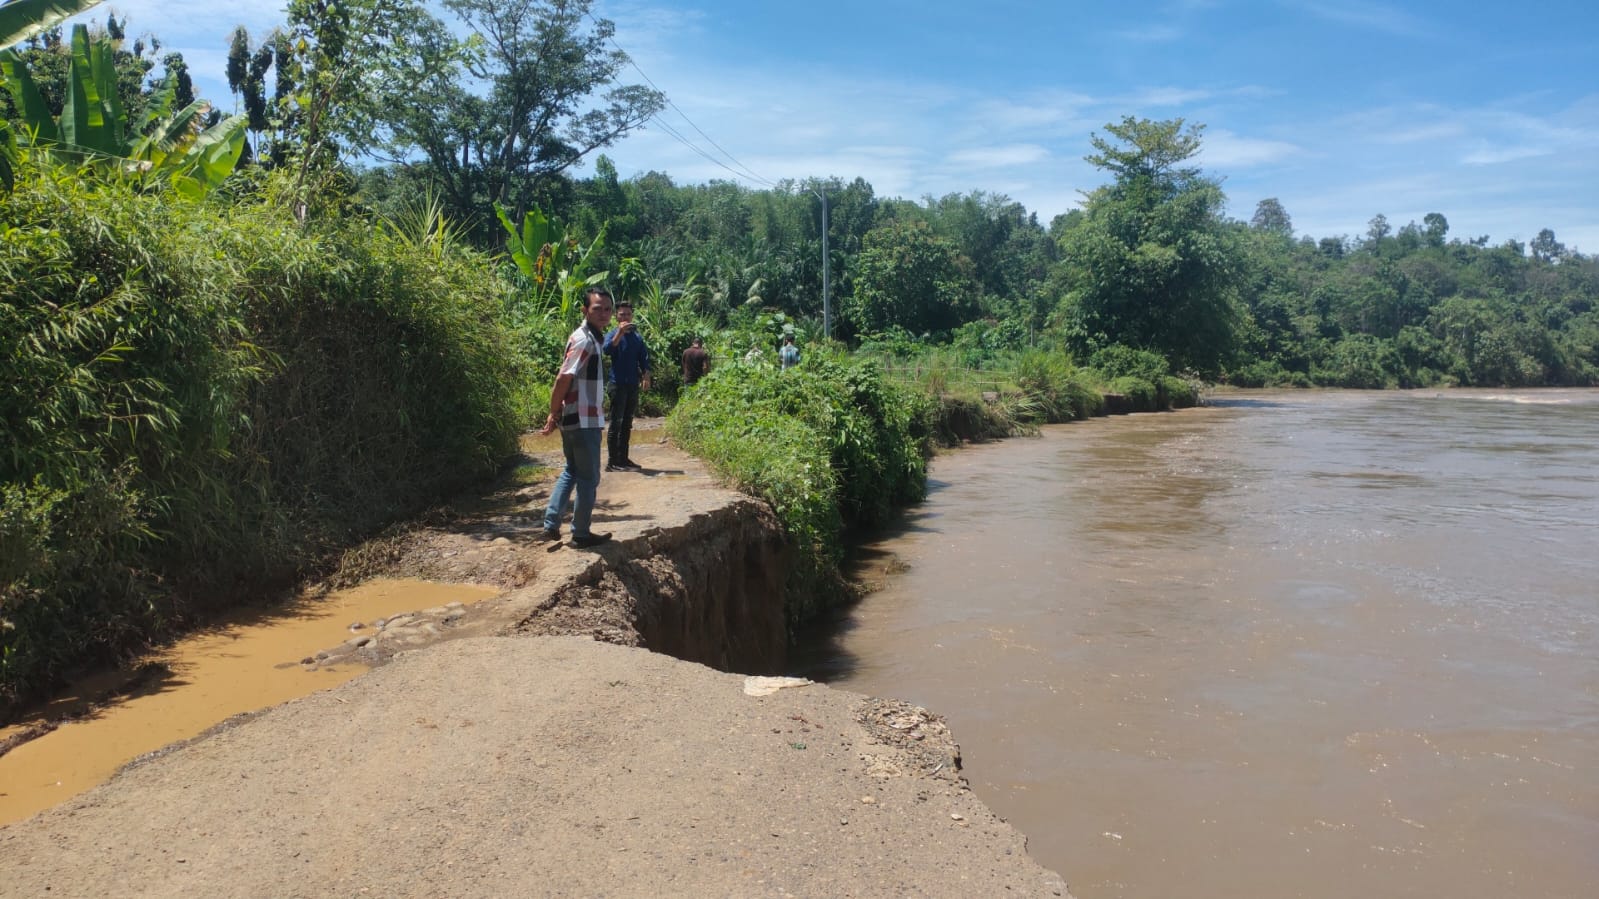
x=577 y=408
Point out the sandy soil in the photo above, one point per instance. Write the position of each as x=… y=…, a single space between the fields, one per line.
x=477 y=764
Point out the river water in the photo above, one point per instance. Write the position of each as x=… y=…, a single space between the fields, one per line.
x=1291 y=644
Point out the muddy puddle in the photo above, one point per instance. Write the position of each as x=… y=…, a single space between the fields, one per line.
x=250 y=663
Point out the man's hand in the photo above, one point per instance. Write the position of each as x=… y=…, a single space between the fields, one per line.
x=644 y=383
x=549 y=426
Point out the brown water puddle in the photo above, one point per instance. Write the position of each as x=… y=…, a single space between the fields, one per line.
x=248 y=664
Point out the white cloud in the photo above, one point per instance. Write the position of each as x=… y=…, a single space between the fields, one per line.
x=1223 y=149
x=1369 y=16
x=1169 y=96
x=649 y=32
x=1006 y=113
x=1423 y=133
x=998 y=157
x=185 y=24
x=1486 y=154
x=784 y=114
x=1152 y=34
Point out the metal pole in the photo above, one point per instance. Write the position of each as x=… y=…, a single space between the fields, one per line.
x=827 y=294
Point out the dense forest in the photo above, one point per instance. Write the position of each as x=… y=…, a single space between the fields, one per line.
x=1151 y=260
x=233 y=344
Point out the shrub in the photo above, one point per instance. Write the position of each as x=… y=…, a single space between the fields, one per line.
x=830 y=445
x=201 y=400
x=1140 y=394
x=1259 y=373
x=1118 y=361
x=1361 y=361
x=1175 y=393
x=959 y=418
x=1063 y=392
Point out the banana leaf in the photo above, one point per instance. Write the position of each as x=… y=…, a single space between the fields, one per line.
x=529 y=242
x=90 y=120
x=22 y=19
x=217 y=150
x=38 y=125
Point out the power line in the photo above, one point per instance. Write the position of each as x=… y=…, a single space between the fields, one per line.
x=747 y=174
x=702 y=153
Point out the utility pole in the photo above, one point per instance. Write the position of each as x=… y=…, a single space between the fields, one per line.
x=827 y=294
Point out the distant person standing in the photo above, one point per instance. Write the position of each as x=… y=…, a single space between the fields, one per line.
x=788 y=356
x=630 y=371
x=577 y=408
x=696 y=362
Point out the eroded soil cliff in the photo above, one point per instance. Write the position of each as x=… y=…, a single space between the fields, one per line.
x=535 y=759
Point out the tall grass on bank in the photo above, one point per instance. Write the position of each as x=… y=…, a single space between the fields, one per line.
x=197 y=401
x=1011 y=394
x=832 y=444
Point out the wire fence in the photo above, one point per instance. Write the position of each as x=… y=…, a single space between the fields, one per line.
x=977 y=377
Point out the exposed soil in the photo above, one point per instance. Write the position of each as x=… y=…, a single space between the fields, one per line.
x=504 y=765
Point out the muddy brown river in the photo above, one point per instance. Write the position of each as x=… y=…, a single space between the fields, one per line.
x=1293 y=644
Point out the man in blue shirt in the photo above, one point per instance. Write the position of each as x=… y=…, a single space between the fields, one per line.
x=630 y=371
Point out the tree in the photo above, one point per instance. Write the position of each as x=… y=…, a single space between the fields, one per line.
x=1151 y=262
x=247 y=71
x=1151 y=152
x=352 y=60
x=24 y=20
x=1545 y=248
x=909 y=277
x=1378 y=229
x=1009 y=250
x=1437 y=228
x=552 y=97
x=1271 y=217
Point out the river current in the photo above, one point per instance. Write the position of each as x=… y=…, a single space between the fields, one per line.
x=1290 y=644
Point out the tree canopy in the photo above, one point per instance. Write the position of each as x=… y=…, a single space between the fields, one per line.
x=553 y=96
x=1151 y=262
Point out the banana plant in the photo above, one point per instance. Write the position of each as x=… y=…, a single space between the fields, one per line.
x=552 y=259
x=93 y=129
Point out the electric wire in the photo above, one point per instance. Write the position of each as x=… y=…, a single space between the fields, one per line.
x=748 y=174
x=676 y=135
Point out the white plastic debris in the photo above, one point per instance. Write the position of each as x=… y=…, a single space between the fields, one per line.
x=766 y=686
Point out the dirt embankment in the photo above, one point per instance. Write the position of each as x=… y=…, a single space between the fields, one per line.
x=504 y=765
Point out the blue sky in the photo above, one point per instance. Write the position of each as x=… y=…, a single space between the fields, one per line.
x=1486 y=113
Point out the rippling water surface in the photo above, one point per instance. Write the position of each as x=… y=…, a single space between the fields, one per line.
x=1294 y=644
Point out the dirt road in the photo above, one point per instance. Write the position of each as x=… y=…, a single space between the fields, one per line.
x=483 y=765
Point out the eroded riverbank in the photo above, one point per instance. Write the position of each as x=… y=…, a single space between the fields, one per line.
x=505 y=764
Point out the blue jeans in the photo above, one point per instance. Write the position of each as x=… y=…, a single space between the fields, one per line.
x=582 y=473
